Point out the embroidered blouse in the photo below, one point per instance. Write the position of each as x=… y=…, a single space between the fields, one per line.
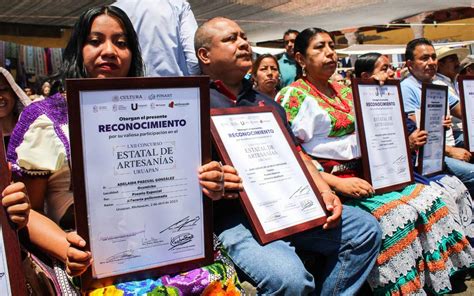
x=325 y=126
x=39 y=145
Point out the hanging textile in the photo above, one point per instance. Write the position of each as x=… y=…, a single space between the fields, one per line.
x=40 y=61
x=2 y=54
x=30 y=60
x=56 y=58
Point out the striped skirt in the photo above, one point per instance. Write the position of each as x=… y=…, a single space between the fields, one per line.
x=421 y=245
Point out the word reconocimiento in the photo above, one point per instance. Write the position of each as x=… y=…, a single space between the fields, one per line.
x=251 y=133
x=115 y=127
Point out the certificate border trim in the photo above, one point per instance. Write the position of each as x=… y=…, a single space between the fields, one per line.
x=424 y=89
x=74 y=87
x=465 y=128
x=11 y=243
x=363 y=143
x=257 y=227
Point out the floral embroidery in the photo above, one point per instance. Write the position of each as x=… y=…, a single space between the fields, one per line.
x=293 y=105
x=342 y=120
x=342 y=123
x=294 y=102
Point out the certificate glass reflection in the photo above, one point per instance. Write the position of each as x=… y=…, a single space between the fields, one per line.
x=434 y=103
x=467 y=100
x=141 y=154
x=278 y=190
x=383 y=127
x=4 y=275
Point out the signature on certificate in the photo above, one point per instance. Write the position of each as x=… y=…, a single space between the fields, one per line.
x=379 y=165
x=274 y=216
x=302 y=190
x=127 y=254
x=183 y=223
x=180 y=240
x=305 y=204
x=400 y=160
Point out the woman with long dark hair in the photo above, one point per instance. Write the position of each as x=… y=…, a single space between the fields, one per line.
x=455 y=193
x=39 y=149
x=103 y=44
x=420 y=244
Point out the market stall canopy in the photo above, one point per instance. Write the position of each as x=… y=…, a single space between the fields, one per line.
x=267 y=20
x=388 y=49
x=264 y=50
x=42 y=23
x=262 y=20
x=53 y=13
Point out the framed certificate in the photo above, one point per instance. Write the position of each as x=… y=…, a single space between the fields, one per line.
x=382 y=134
x=434 y=101
x=137 y=144
x=279 y=197
x=466 y=92
x=12 y=280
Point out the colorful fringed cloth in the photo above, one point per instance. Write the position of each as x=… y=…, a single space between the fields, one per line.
x=219 y=278
x=421 y=245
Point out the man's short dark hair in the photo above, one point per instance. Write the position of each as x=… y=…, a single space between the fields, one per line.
x=411 y=46
x=290 y=31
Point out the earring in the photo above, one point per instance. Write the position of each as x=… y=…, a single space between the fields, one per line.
x=304 y=71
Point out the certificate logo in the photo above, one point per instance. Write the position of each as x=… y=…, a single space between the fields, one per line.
x=136 y=106
x=382 y=91
x=160 y=96
x=116 y=107
x=155 y=105
x=97 y=108
x=181 y=104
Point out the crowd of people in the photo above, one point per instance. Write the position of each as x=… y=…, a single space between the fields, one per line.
x=404 y=242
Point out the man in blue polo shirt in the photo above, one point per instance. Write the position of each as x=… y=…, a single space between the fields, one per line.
x=422 y=63
x=287 y=62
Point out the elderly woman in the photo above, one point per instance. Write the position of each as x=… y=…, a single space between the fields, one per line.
x=266 y=75
x=103 y=44
x=420 y=247
x=12 y=101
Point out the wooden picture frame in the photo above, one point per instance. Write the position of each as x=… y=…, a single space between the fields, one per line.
x=246 y=201
x=423 y=125
x=366 y=157
x=10 y=248
x=467 y=107
x=74 y=89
